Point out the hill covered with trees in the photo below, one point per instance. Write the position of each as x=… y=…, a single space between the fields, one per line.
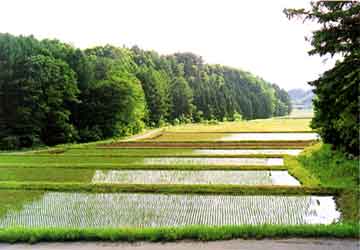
x=301 y=98
x=52 y=92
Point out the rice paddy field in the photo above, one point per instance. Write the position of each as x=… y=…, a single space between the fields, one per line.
x=244 y=136
x=81 y=210
x=260 y=125
x=230 y=174
x=243 y=177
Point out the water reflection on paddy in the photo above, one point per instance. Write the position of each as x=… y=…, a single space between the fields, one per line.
x=195 y=177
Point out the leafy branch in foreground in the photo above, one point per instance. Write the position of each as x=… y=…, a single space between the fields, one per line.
x=337 y=111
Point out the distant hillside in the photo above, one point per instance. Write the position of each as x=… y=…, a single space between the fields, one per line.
x=301 y=98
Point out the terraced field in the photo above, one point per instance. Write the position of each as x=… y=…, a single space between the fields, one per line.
x=244 y=177
x=79 y=210
x=173 y=178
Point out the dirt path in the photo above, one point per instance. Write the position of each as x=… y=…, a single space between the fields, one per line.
x=268 y=244
x=147 y=134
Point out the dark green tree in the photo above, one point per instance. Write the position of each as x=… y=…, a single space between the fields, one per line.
x=38 y=99
x=337 y=90
x=51 y=92
x=155 y=87
x=181 y=99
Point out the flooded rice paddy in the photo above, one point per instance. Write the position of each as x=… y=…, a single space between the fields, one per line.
x=213 y=161
x=90 y=210
x=195 y=177
x=246 y=151
x=270 y=136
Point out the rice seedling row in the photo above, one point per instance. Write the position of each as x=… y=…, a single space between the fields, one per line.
x=84 y=210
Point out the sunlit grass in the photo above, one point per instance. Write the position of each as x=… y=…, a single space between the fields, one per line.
x=334 y=169
x=13 y=200
x=261 y=125
x=203 y=233
x=46 y=174
x=215 y=136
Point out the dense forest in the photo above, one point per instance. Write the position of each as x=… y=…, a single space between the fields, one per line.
x=337 y=109
x=52 y=92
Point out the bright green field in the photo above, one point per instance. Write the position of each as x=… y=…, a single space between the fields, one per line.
x=26 y=178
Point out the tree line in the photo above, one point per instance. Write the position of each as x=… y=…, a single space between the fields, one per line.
x=337 y=107
x=52 y=92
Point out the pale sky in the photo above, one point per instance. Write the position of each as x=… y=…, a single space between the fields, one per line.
x=251 y=35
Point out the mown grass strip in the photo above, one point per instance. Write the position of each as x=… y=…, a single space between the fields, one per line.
x=196 y=232
x=171 y=188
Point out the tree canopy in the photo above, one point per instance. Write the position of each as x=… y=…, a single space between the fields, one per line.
x=52 y=92
x=337 y=90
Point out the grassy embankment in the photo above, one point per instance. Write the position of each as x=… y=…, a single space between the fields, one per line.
x=204 y=233
x=334 y=169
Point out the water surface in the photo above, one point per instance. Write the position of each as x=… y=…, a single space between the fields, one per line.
x=246 y=151
x=195 y=177
x=212 y=161
x=270 y=136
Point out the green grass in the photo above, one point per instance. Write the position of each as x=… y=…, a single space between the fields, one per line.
x=49 y=168
x=46 y=174
x=305 y=177
x=109 y=162
x=50 y=160
x=69 y=168
x=203 y=233
x=170 y=188
x=15 y=199
x=146 y=167
x=334 y=170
